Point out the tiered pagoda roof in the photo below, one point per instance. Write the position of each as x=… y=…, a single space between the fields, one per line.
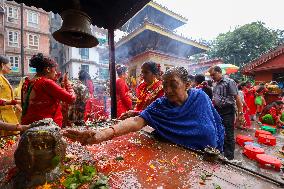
x=157 y=14
x=149 y=36
x=152 y=28
x=262 y=63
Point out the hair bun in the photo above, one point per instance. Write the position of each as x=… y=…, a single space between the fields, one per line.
x=37 y=60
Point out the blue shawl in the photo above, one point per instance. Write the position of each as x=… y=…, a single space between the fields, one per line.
x=195 y=124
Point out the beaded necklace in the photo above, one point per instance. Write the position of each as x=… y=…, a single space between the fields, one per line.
x=145 y=91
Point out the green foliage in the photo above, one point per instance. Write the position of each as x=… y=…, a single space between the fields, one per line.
x=245 y=43
x=102 y=183
x=282 y=117
x=78 y=177
x=268 y=119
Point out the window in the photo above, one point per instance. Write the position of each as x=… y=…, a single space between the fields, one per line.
x=32 y=19
x=13 y=39
x=33 y=41
x=12 y=14
x=103 y=73
x=31 y=69
x=84 y=52
x=85 y=67
x=14 y=60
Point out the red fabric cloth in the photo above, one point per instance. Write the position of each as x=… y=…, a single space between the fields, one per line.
x=44 y=101
x=124 y=102
x=274 y=113
x=94 y=110
x=2 y=102
x=148 y=94
x=249 y=95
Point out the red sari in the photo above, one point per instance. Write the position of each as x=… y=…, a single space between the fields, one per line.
x=148 y=94
x=246 y=115
x=124 y=102
x=94 y=110
x=41 y=99
x=250 y=100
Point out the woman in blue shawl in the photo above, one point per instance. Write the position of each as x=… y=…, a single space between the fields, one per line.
x=182 y=116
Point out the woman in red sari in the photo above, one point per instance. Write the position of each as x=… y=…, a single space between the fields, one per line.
x=272 y=113
x=41 y=95
x=124 y=103
x=149 y=90
x=249 y=93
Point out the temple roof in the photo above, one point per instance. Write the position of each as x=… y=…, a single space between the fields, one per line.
x=252 y=66
x=157 y=14
x=108 y=14
x=152 y=37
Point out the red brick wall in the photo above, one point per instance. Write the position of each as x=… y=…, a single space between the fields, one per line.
x=42 y=31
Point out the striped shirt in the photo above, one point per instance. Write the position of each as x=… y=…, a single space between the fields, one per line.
x=224 y=92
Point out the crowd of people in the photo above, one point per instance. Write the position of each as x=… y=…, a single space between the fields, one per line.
x=181 y=108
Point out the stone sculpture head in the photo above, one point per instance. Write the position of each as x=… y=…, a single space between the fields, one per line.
x=40 y=148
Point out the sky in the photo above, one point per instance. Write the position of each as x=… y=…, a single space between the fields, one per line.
x=208 y=18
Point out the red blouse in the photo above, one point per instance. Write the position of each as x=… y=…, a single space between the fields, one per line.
x=124 y=102
x=44 y=100
x=274 y=113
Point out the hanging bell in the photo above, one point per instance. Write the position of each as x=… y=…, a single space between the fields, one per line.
x=76 y=30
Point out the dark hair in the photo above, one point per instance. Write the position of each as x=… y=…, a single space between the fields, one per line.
x=181 y=72
x=273 y=104
x=120 y=69
x=190 y=77
x=241 y=85
x=216 y=69
x=210 y=83
x=84 y=75
x=199 y=78
x=260 y=89
x=153 y=67
x=248 y=83
x=39 y=62
x=4 y=60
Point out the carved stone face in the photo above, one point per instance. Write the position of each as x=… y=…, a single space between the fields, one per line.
x=40 y=148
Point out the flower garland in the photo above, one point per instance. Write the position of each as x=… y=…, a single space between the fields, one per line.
x=145 y=91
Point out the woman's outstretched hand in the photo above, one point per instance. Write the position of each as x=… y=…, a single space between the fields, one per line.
x=84 y=137
x=130 y=113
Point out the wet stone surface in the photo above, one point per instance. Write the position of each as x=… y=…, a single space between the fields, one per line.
x=40 y=150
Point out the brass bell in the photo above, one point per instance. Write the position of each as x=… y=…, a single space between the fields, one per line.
x=76 y=30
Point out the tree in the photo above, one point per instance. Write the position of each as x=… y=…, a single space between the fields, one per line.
x=245 y=43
